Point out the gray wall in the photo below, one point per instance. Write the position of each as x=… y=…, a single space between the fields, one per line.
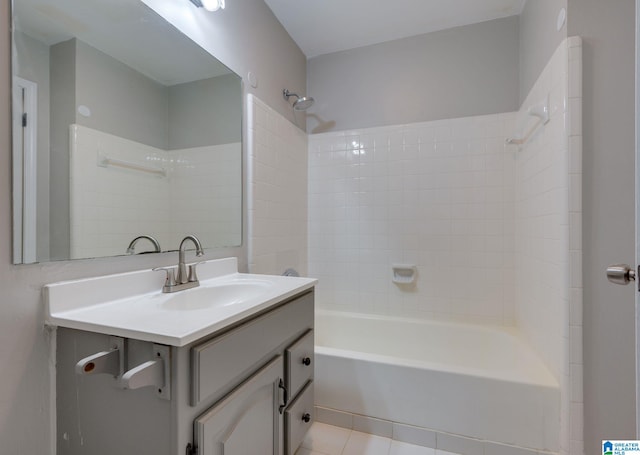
x=63 y=108
x=36 y=69
x=26 y=388
x=123 y=101
x=539 y=39
x=459 y=72
x=609 y=216
x=206 y=112
x=246 y=37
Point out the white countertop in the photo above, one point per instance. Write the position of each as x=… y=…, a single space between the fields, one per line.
x=132 y=305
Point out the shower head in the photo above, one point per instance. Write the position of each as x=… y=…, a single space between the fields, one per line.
x=302 y=103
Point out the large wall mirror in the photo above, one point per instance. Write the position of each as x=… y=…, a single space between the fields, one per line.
x=122 y=127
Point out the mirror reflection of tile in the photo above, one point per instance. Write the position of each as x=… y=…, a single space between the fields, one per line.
x=120 y=188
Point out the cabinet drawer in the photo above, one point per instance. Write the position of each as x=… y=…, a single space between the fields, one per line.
x=298 y=419
x=299 y=363
x=231 y=357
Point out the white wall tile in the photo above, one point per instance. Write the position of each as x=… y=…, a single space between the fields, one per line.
x=576 y=378
x=423 y=178
x=549 y=232
x=334 y=418
x=279 y=189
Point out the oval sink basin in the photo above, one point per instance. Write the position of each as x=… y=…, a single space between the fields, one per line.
x=219 y=295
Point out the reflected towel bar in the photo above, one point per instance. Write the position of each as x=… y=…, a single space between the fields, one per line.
x=105 y=162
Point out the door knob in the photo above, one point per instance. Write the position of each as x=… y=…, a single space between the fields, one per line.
x=621 y=274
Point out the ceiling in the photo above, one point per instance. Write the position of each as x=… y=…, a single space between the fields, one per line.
x=325 y=26
x=127 y=30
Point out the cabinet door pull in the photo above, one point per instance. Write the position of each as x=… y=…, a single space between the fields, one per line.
x=306 y=361
x=306 y=417
x=286 y=396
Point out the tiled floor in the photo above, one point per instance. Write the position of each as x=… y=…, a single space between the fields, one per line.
x=323 y=439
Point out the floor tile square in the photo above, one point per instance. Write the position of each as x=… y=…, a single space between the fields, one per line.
x=326 y=439
x=303 y=451
x=366 y=444
x=323 y=439
x=404 y=448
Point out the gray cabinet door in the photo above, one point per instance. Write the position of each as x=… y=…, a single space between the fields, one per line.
x=246 y=421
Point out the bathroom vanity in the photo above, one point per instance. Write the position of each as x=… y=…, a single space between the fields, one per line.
x=175 y=374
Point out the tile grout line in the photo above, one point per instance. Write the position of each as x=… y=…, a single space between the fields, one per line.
x=346 y=442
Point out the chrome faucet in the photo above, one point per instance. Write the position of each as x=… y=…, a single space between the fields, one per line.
x=156 y=244
x=182 y=280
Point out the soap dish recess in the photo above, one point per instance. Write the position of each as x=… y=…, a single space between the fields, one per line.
x=404 y=273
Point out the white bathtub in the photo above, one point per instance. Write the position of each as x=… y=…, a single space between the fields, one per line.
x=475 y=381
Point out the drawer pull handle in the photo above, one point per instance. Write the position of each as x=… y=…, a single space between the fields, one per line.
x=306 y=361
x=306 y=417
x=285 y=396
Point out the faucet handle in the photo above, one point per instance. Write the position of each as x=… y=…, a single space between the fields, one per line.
x=171 y=277
x=193 y=277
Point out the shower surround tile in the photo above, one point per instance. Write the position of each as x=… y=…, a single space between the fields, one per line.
x=439 y=195
x=277 y=191
x=494 y=230
x=548 y=304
